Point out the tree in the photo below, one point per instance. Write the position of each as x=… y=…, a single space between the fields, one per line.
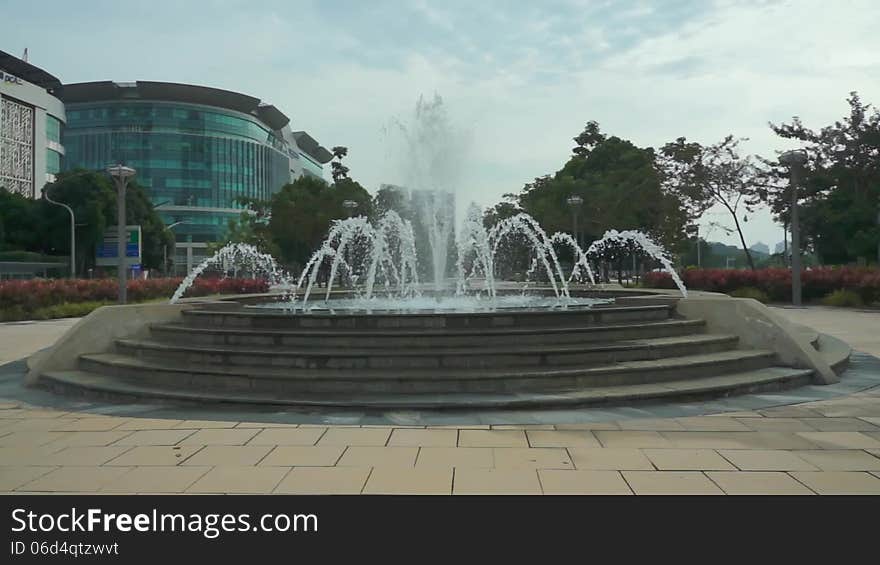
x=713 y=175
x=339 y=171
x=252 y=226
x=841 y=184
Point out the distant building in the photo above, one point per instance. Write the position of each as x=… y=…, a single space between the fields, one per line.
x=780 y=247
x=31 y=121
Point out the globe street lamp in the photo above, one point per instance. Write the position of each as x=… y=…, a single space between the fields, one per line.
x=72 y=231
x=121 y=175
x=795 y=160
x=349 y=206
x=575 y=202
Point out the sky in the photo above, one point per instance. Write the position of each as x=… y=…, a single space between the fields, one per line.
x=521 y=78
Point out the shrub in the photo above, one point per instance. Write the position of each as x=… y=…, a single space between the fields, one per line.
x=751 y=292
x=844 y=299
x=776 y=282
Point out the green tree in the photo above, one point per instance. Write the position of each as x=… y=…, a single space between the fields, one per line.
x=703 y=176
x=840 y=193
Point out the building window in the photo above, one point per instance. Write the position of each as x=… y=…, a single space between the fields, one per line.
x=17 y=147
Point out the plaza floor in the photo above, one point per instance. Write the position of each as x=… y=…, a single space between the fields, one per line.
x=813 y=440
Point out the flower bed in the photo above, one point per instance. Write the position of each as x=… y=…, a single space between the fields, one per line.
x=30 y=295
x=776 y=283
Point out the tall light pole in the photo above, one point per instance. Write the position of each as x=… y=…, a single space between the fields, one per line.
x=121 y=175
x=575 y=202
x=795 y=160
x=165 y=247
x=72 y=230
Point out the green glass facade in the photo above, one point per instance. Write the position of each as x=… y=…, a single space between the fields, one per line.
x=194 y=160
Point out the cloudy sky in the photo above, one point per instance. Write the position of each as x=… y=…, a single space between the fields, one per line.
x=520 y=77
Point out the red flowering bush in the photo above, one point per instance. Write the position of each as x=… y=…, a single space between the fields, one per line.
x=776 y=282
x=30 y=295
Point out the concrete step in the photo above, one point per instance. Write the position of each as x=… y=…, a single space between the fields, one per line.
x=259 y=318
x=511 y=354
x=433 y=338
x=213 y=377
x=758 y=380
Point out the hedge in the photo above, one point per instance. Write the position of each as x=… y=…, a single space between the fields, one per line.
x=776 y=282
x=31 y=295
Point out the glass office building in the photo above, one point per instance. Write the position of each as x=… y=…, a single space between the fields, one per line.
x=196 y=150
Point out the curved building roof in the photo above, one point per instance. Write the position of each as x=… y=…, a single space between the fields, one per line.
x=172 y=91
x=25 y=71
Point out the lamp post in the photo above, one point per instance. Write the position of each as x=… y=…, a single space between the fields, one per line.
x=795 y=161
x=72 y=231
x=575 y=202
x=694 y=230
x=121 y=175
x=350 y=206
x=165 y=247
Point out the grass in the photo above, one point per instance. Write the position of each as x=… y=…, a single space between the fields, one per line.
x=66 y=310
x=843 y=299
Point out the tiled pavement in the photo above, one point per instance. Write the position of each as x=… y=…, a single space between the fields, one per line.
x=827 y=446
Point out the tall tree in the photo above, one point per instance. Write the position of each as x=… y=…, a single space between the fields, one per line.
x=703 y=176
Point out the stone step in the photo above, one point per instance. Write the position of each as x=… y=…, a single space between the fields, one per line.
x=249 y=317
x=435 y=338
x=477 y=356
x=758 y=380
x=399 y=381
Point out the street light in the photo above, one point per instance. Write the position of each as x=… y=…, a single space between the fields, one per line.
x=72 y=231
x=349 y=206
x=165 y=247
x=794 y=160
x=121 y=175
x=694 y=230
x=575 y=202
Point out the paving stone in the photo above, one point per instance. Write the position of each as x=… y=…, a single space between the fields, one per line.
x=239 y=479
x=562 y=438
x=841 y=459
x=840 y=424
x=29 y=438
x=650 y=424
x=159 y=455
x=492 y=438
x=89 y=439
x=155 y=437
x=204 y=424
x=766 y=460
x=841 y=440
x=228 y=455
x=757 y=482
x=670 y=482
x=355 y=436
x=12 y=477
x=423 y=438
x=554 y=481
x=220 y=437
x=839 y=482
x=687 y=460
x=416 y=480
x=89 y=425
x=589 y=426
x=287 y=436
x=265 y=425
x=609 y=458
x=370 y=456
x=149 y=424
x=712 y=424
x=522 y=427
x=76 y=479
x=86 y=456
x=22 y=455
x=738 y=440
x=458 y=457
x=531 y=458
x=324 y=480
x=789 y=412
x=303 y=456
x=633 y=439
x=156 y=479
x=496 y=481
x=777 y=424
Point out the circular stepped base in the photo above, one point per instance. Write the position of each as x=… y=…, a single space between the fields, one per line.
x=622 y=353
